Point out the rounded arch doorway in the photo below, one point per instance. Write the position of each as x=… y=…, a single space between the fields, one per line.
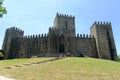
x=61 y=49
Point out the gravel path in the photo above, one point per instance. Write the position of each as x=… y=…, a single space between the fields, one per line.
x=4 y=78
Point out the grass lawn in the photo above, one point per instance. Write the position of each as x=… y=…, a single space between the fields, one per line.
x=70 y=68
x=12 y=62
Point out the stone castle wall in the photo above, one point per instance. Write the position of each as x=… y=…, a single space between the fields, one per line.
x=33 y=45
x=85 y=45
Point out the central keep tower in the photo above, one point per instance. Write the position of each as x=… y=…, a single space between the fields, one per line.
x=65 y=22
x=63 y=34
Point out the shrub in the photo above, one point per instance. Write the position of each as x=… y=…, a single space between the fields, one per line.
x=1 y=55
x=119 y=58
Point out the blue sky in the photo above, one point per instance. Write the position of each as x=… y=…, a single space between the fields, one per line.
x=36 y=16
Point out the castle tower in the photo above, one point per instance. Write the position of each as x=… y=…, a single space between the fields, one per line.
x=102 y=31
x=64 y=26
x=63 y=21
x=10 y=45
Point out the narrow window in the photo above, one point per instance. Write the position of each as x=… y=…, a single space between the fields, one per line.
x=66 y=24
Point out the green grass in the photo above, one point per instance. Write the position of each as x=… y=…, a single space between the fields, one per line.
x=12 y=62
x=65 y=69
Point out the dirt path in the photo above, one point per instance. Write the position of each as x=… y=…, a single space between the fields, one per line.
x=5 y=78
x=31 y=64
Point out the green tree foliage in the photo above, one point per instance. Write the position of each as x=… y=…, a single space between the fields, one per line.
x=2 y=9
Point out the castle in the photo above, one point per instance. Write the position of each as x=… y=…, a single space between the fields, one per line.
x=62 y=40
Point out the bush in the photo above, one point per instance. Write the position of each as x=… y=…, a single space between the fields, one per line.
x=119 y=58
x=1 y=56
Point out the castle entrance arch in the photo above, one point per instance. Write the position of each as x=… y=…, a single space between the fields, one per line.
x=61 y=49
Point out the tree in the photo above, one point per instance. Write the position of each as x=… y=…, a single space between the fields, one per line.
x=2 y=9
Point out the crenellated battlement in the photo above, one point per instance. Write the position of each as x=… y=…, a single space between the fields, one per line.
x=101 y=25
x=65 y=15
x=36 y=36
x=15 y=29
x=84 y=36
x=52 y=28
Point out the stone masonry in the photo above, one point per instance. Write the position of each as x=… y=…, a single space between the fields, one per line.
x=61 y=39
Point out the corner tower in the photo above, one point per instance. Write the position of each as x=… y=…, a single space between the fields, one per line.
x=10 y=45
x=102 y=31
